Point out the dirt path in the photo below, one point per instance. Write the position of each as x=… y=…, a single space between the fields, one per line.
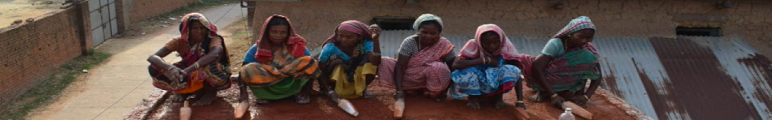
x=11 y=10
x=112 y=89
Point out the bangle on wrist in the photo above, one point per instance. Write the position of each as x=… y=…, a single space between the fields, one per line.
x=553 y=96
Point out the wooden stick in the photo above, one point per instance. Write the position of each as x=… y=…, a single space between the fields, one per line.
x=345 y=105
x=399 y=107
x=241 y=109
x=521 y=114
x=185 y=111
x=578 y=111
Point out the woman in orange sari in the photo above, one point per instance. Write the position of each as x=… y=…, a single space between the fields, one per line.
x=204 y=68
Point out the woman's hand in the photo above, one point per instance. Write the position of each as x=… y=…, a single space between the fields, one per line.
x=174 y=74
x=492 y=61
x=376 y=31
x=580 y=99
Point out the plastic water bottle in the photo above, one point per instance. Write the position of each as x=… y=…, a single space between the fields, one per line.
x=567 y=115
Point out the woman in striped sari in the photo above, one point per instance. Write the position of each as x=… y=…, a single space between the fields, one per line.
x=566 y=64
x=278 y=65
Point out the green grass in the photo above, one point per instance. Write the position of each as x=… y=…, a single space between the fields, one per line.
x=50 y=88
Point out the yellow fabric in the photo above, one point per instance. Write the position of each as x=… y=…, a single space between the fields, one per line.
x=349 y=90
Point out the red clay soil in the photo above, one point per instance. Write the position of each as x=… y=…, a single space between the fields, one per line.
x=378 y=108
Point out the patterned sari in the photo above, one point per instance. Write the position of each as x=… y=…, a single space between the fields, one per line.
x=486 y=80
x=277 y=74
x=571 y=70
x=425 y=70
x=349 y=71
x=567 y=72
x=216 y=74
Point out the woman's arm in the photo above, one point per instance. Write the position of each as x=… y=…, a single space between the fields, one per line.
x=461 y=63
x=594 y=84
x=539 y=65
x=209 y=58
x=157 y=58
x=375 y=58
x=399 y=71
x=325 y=77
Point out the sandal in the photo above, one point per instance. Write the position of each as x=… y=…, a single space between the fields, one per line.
x=302 y=99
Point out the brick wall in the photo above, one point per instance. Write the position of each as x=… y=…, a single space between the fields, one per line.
x=139 y=10
x=33 y=50
x=746 y=19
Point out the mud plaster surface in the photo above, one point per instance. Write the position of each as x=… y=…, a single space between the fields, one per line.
x=417 y=107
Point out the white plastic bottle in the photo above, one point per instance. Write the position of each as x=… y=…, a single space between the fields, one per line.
x=567 y=115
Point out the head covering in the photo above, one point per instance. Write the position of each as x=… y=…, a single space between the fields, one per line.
x=354 y=26
x=295 y=44
x=424 y=18
x=184 y=26
x=473 y=48
x=579 y=23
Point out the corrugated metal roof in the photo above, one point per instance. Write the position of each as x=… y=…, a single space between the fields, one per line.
x=667 y=78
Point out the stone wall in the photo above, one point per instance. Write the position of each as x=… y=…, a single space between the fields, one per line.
x=745 y=19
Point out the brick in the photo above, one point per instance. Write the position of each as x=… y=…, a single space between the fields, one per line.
x=34 y=50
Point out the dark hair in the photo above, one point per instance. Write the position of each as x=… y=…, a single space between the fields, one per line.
x=276 y=21
x=430 y=22
x=489 y=33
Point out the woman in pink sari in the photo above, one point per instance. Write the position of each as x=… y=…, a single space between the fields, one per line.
x=423 y=61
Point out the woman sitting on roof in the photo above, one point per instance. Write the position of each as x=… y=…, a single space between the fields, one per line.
x=423 y=61
x=349 y=59
x=278 y=65
x=487 y=66
x=566 y=64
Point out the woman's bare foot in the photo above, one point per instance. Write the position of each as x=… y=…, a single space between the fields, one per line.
x=500 y=101
x=368 y=94
x=537 y=97
x=261 y=101
x=179 y=97
x=302 y=99
x=440 y=97
x=474 y=102
x=206 y=98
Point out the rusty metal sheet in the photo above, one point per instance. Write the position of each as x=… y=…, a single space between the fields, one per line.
x=630 y=64
x=750 y=71
x=699 y=84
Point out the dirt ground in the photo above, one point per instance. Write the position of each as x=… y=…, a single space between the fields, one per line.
x=11 y=10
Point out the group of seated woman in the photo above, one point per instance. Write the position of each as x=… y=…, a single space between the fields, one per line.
x=279 y=65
